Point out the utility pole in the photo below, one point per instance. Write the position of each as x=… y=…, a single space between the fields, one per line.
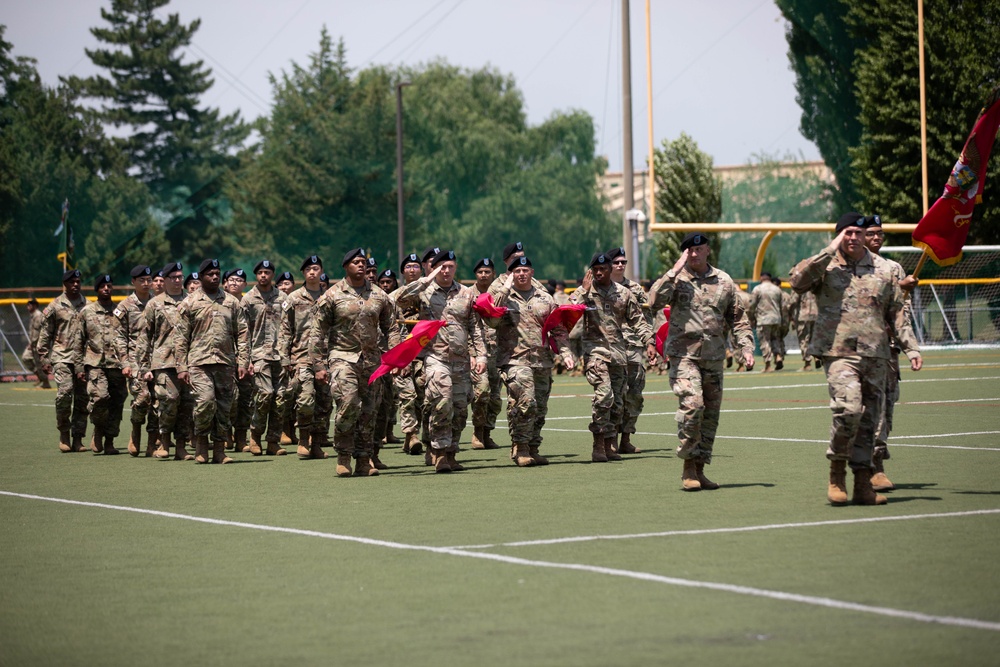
x=399 y=169
x=628 y=202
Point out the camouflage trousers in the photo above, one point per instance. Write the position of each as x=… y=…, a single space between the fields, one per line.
x=698 y=387
x=212 y=388
x=107 y=393
x=385 y=412
x=32 y=362
x=142 y=403
x=528 y=392
x=804 y=331
x=486 y=403
x=410 y=390
x=891 y=397
x=449 y=387
x=242 y=411
x=632 y=402
x=357 y=402
x=608 y=381
x=269 y=389
x=857 y=398
x=71 y=400
x=312 y=400
x=769 y=338
x=174 y=404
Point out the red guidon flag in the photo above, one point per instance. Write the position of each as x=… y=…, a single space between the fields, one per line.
x=401 y=355
x=944 y=228
x=484 y=306
x=566 y=316
x=663 y=331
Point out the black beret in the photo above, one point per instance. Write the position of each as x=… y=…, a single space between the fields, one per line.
x=511 y=248
x=873 y=220
x=323 y=278
x=225 y=276
x=140 y=270
x=285 y=276
x=239 y=273
x=263 y=264
x=208 y=264
x=32 y=301
x=484 y=263
x=69 y=275
x=519 y=261
x=311 y=260
x=765 y=274
x=615 y=252
x=170 y=268
x=160 y=274
x=357 y=252
x=851 y=219
x=443 y=256
x=599 y=258
x=429 y=253
x=102 y=279
x=371 y=263
x=388 y=273
x=693 y=239
x=409 y=259
x=194 y=275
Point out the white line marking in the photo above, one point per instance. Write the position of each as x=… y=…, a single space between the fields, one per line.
x=829 y=603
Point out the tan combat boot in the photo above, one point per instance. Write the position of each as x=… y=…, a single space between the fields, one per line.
x=455 y=465
x=391 y=438
x=255 y=447
x=439 y=459
x=343 y=464
x=64 y=440
x=364 y=468
x=416 y=447
x=611 y=447
x=536 y=457
x=77 y=445
x=304 y=444
x=180 y=451
x=97 y=440
x=430 y=456
x=488 y=439
x=152 y=442
x=109 y=445
x=879 y=480
x=219 y=452
x=689 y=476
x=767 y=366
x=407 y=437
x=241 y=441
x=288 y=434
x=705 y=482
x=163 y=452
x=522 y=456
x=376 y=461
x=273 y=449
x=626 y=446
x=316 y=446
x=477 y=438
x=135 y=440
x=864 y=494
x=598 y=455
x=201 y=449
x=837 y=491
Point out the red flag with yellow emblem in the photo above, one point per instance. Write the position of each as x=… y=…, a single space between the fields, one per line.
x=404 y=353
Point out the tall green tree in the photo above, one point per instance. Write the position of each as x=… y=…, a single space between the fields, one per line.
x=687 y=190
x=181 y=150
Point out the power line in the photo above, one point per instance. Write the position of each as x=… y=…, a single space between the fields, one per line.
x=426 y=32
x=403 y=32
x=560 y=39
x=233 y=81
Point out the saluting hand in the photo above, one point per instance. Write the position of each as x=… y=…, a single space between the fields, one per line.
x=588 y=279
x=682 y=260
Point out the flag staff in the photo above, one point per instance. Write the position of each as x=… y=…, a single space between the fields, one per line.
x=649 y=117
x=923 y=122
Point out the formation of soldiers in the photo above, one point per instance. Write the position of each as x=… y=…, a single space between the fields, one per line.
x=207 y=364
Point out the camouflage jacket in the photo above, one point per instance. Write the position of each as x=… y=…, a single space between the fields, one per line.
x=610 y=313
x=804 y=307
x=158 y=344
x=261 y=315
x=859 y=303
x=297 y=312
x=636 y=350
x=95 y=331
x=765 y=304
x=461 y=339
x=55 y=342
x=130 y=323
x=209 y=331
x=702 y=309
x=898 y=273
x=488 y=333
x=519 y=331
x=35 y=328
x=349 y=323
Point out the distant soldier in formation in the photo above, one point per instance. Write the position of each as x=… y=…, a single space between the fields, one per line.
x=348 y=324
x=55 y=348
x=765 y=315
x=703 y=306
x=860 y=304
x=286 y=283
x=635 y=354
x=234 y=281
x=211 y=357
x=385 y=418
x=130 y=322
x=174 y=403
x=486 y=402
x=193 y=282
x=158 y=284
x=409 y=382
x=97 y=363
x=30 y=358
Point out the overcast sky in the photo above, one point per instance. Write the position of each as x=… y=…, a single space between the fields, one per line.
x=720 y=67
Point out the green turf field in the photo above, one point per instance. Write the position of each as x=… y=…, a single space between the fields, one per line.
x=277 y=562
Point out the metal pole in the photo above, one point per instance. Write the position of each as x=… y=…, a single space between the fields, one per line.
x=628 y=200
x=923 y=102
x=399 y=170
x=649 y=115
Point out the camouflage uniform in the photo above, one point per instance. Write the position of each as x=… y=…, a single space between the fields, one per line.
x=94 y=351
x=55 y=347
x=732 y=344
x=859 y=303
x=525 y=362
x=30 y=357
x=702 y=309
x=174 y=403
x=310 y=400
x=892 y=371
x=765 y=314
x=410 y=385
x=804 y=313
x=486 y=403
x=635 y=369
x=447 y=358
x=261 y=313
x=130 y=317
x=345 y=340
x=611 y=311
x=211 y=345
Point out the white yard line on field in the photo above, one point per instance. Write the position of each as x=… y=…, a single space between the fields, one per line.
x=829 y=603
